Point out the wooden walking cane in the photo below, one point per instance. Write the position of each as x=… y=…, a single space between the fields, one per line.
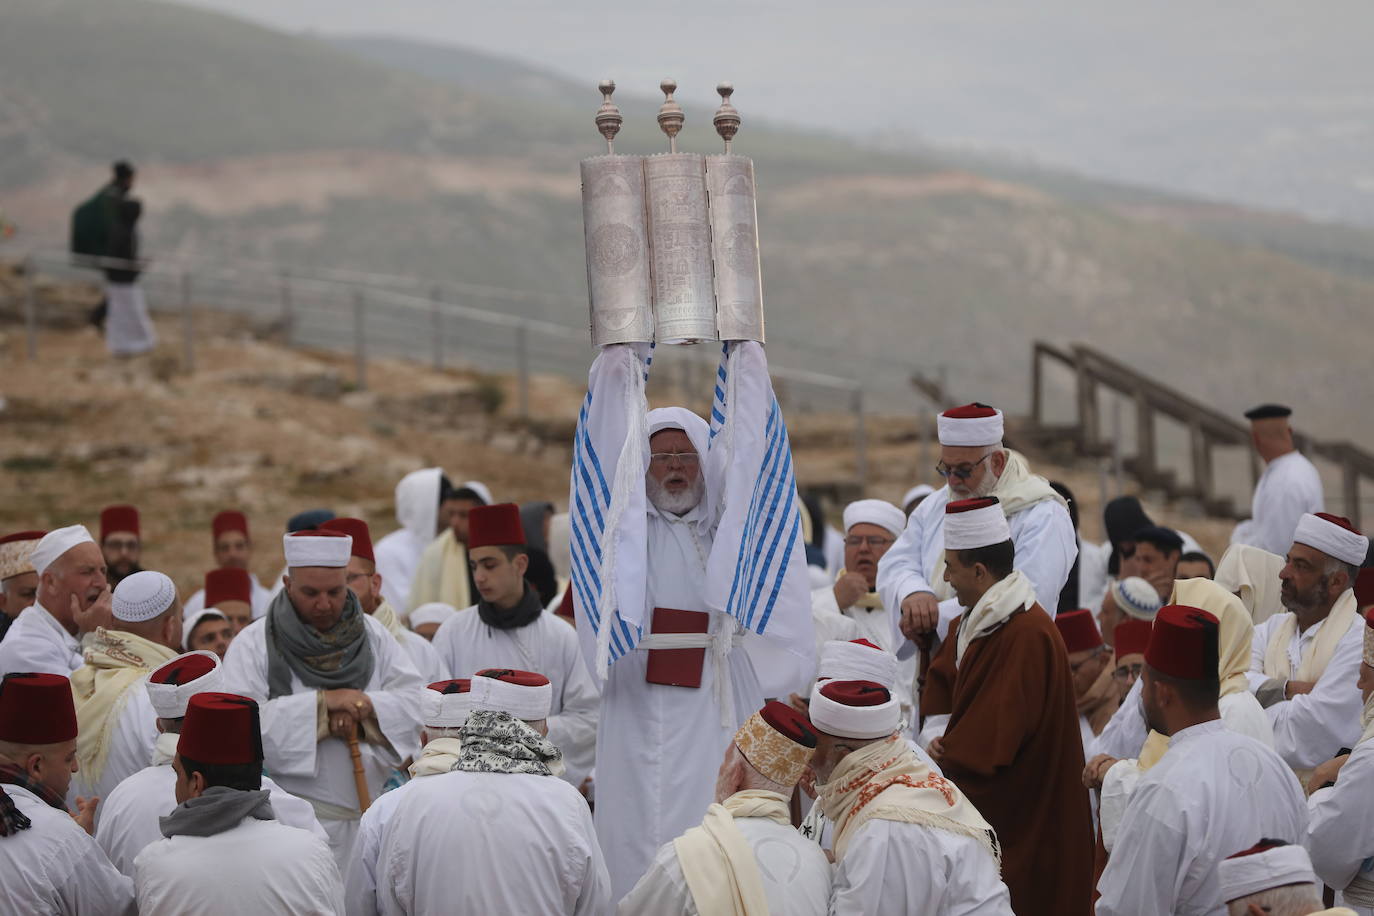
x=359 y=780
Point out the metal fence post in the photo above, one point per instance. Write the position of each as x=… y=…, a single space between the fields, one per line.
x=359 y=339
x=436 y=328
x=522 y=367
x=31 y=307
x=860 y=440
x=188 y=325
x=288 y=314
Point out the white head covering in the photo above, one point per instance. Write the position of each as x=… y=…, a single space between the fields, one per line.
x=875 y=512
x=697 y=430
x=1136 y=598
x=921 y=489
x=973 y=528
x=857 y=661
x=479 y=488
x=1249 y=873
x=433 y=612
x=969 y=431
x=316 y=550
x=1253 y=574
x=169 y=700
x=191 y=621
x=55 y=543
x=521 y=701
x=142 y=596
x=444 y=710
x=417 y=502
x=1328 y=537
x=865 y=722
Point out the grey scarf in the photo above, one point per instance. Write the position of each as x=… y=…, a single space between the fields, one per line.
x=497 y=742
x=339 y=657
x=216 y=810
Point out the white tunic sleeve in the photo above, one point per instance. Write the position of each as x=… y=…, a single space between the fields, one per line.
x=573 y=729
x=1125 y=732
x=1340 y=829
x=892 y=869
x=1146 y=872
x=1310 y=728
x=662 y=891
x=902 y=570
x=1045 y=549
x=288 y=722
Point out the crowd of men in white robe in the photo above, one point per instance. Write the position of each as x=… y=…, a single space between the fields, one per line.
x=277 y=749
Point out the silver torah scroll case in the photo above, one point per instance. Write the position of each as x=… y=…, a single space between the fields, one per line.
x=672 y=239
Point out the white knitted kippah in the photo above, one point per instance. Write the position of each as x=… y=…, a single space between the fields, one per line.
x=143 y=596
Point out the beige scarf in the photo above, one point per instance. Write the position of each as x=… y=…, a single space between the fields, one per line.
x=443 y=574
x=718 y=862
x=1016 y=489
x=887 y=781
x=438 y=756
x=385 y=614
x=1316 y=656
x=1012 y=594
x=115 y=662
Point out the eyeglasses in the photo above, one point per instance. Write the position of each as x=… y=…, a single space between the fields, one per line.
x=961 y=471
x=121 y=545
x=874 y=541
x=683 y=458
x=1126 y=672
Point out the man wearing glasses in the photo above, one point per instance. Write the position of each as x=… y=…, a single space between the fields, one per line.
x=120 y=542
x=974 y=464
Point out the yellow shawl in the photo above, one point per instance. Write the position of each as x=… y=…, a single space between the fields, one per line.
x=115 y=662
x=442 y=575
x=718 y=862
x=1316 y=656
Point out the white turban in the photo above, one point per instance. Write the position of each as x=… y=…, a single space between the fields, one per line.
x=857 y=661
x=980 y=525
x=530 y=703
x=875 y=512
x=921 y=489
x=169 y=700
x=845 y=721
x=142 y=596
x=315 y=549
x=433 y=612
x=444 y=710
x=1330 y=538
x=56 y=543
x=1251 y=872
x=970 y=425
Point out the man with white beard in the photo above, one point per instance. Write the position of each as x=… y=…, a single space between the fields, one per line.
x=688 y=571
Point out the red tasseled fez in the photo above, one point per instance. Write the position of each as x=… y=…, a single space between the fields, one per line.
x=495 y=526
x=228 y=584
x=512 y=676
x=789 y=723
x=357 y=529
x=1079 y=630
x=1131 y=638
x=36 y=709
x=222 y=729
x=118 y=518
x=1183 y=643
x=226 y=521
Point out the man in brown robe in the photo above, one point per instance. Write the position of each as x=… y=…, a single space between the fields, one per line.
x=1012 y=744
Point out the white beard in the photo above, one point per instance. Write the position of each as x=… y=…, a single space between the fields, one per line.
x=678 y=502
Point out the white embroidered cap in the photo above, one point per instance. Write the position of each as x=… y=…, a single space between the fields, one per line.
x=857 y=660
x=1136 y=598
x=875 y=512
x=1262 y=868
x=970 y=425
x=317 y=548
x=1333 y=536
x=524 y=694
x=854 y=709
x=973 y=523
x=446 y=704
x=171 y=686
x=57 y=542
x=142 y=596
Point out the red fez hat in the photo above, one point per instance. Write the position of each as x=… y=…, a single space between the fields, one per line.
x=36 y=709
x=118 y=518
x=457 y=685
x=355 y=528
x=495 y=526
x=788 y=722
x=1364 y=587
x=1079 y=630
x=183 y=670
x=228 y=584
x=512 y=676
x=856 y=693
x=1340 y=520
x=1131 y=637
x=221 y=728
x=970 y=505
x=1183 y=643
x=23 y=536
x=972 y=411
x=228 y=520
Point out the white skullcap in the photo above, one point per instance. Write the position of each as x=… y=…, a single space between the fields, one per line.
x=858 y=660
x=1136 y=598
x=972 y=424
x=530 y=702
x=479 y=488
x=1331 y=538
x=142 y=596
x=315 y=548
x=445 y=710
x=835 y=717
x=189 y=670
x=1249 y=872
x=875 y=512
x=433 y=612
x=191 y=621
x=56 y=543
x=921 y=489
x=973 y=523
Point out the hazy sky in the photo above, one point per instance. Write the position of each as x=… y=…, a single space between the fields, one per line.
x=1264 y=100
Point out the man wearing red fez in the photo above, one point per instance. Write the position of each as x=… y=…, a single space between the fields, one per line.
x=906 y=839
x=328 y=677
x=121 y=542
x=129 y=815
x=1131 y=637
x=1090 y=661
x=18 y=580
x=233 y=549
x=224 y=850
x=1340 y=832
x=1309 y=657
x=721 y=866
x=1013 y=744
x=365 y=582
x=974 y=463
x=509 y=626
x=48 y=861
x=1213 y=791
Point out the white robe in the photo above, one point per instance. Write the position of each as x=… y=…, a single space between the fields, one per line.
x=262 y=599
x=1310 y=728
x=256 y=867
x=360 y=874
x=398 y=554
x=819 y=829
x=1340 y=829
x=424 y=657
x=1212 y=794
x=128 y=329
x=1288 y=488
x=874 y=625
x=893 y=869
x=55 y=867
x=129 y=815
x=131 y=746
x=491 y=843
x=549 y=646
x=37 y=642
x=795 y=873
x=321 y=772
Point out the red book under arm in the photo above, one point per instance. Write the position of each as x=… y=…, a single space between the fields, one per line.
x=677 y=667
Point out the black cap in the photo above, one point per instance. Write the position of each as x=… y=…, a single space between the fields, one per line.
x=1166 y=539
x=1268 y=412
x=310 y=518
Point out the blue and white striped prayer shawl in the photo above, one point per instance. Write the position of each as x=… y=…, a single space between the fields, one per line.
x=756 y=568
